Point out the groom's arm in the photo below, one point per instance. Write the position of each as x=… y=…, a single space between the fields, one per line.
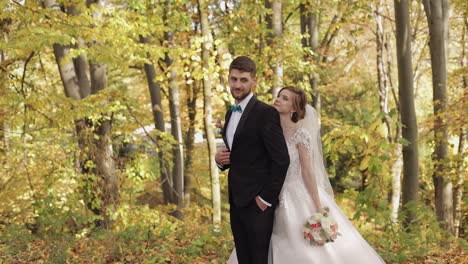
x=277 y=150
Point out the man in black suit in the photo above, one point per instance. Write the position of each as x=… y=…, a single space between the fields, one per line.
x=257 y=158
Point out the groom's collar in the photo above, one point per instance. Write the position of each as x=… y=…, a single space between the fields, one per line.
x=243 y=104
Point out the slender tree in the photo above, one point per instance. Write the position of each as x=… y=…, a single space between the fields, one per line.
x=407 y=109
x=461 y=169
x=276 y=35
x=159 y=123
x=3 y=111
x=383 y=91
x=176 y=126
x=208 y=111
x=437 y=13
x=191 y=101
x=309 y=19
x=192 y=92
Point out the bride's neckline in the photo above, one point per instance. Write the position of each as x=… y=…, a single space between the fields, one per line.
x=289 y=130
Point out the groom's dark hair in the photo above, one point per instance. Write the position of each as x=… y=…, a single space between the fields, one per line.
x=299 y=102
x=244 y=64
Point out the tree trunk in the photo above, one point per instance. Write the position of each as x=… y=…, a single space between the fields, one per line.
x=3 y=123
x=105 y=169
x=408 y=113
x=189 y=144
x=67 y=73
x=82 y=69
x=382 y=83
x=461 y=170
x=383 y=88
x=176 y=130
x=437 y=12
x=4 y=128
x=396 y=181
x=158 y=117
x=277 y=27
x=314 y=45
x=103 y=157
x=309 y=26
x=207 y=95
x=96 y=155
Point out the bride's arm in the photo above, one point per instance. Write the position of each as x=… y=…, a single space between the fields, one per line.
x=309 y=178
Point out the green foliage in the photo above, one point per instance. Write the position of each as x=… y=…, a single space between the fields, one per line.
x=394 y=242
x=15 y=239
x=414 y=241
x=142 y=235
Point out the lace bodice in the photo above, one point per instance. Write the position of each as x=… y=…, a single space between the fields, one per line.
x=301 y=136
x=294 y=181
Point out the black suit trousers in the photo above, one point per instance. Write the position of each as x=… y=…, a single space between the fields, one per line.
x=252 y=230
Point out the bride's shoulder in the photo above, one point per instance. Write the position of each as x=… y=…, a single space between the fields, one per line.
x=302 y=132
x=301 y=135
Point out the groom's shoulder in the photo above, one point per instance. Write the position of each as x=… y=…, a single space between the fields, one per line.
x=264 y=106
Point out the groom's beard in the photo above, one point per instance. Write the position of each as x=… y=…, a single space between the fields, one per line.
x=242 y=96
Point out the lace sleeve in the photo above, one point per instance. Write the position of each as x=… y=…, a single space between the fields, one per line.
x=303 y=137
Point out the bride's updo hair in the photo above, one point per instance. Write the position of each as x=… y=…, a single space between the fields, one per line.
x=300 y=101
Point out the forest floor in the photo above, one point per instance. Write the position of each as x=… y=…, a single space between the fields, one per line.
x=455 y=256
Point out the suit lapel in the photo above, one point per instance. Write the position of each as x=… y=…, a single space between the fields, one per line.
x=223 y=132
x=244 y=116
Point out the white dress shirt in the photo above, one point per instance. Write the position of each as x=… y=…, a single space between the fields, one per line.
x=234 y=120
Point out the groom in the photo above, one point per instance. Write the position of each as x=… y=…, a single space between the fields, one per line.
x=258 y=159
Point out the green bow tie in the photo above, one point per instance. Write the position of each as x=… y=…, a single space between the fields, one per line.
x=235 y=108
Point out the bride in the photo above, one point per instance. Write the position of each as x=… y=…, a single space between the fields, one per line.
x=306 y=191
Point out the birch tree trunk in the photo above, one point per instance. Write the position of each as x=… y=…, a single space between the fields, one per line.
x=383 y=91
x=398 y=154
x=207 y=95
x=437 y=13
x=408 y=113
x=382 y=83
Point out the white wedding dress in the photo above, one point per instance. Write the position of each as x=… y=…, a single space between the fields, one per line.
x=288 y=245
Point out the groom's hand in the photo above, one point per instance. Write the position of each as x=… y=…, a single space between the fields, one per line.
x=260 y=204
x=222 y=156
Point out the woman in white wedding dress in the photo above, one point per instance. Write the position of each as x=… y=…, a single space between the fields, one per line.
x=306 y=191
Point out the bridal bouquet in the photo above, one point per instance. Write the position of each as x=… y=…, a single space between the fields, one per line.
x=321 y=228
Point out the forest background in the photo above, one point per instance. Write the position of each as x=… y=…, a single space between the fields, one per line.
x=109 y=114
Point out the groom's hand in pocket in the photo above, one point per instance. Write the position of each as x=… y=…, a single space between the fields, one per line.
x=260 y=204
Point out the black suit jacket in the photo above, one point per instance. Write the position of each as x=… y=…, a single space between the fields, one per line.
x=259 y=156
